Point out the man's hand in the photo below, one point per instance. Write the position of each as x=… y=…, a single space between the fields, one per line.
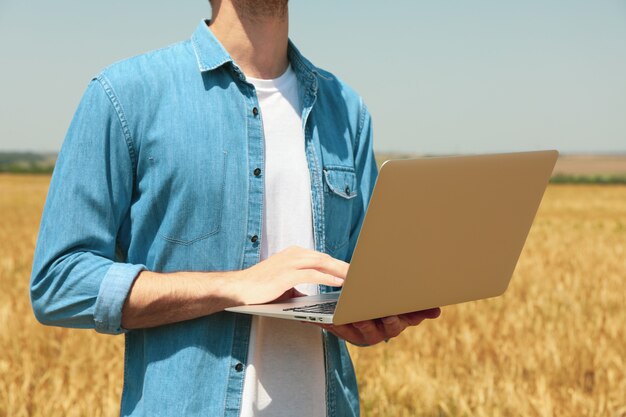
x=156 y=299
x=276 y=277
x=371 y=332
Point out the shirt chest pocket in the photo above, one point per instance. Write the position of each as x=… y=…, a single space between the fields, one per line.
x=188 y=196
x=340 y=190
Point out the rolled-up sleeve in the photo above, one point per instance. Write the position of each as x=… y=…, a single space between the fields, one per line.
x=113 y=292
x=77 y=278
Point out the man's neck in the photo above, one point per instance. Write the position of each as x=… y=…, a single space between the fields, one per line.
x=258 y=44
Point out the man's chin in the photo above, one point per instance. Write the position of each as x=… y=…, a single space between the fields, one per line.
x=261 y=8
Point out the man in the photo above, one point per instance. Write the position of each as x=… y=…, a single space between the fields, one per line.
x=213 y=173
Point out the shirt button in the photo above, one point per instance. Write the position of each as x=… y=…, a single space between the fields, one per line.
x=239 y=367
x=257 y=172
x=347 y=190
x=254 y=238
x=255 y=111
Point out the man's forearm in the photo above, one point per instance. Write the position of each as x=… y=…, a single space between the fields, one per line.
x=156 y=298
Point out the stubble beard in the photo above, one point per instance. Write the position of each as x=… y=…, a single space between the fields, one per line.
x=261 y=9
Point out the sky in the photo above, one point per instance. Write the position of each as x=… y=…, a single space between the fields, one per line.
x=439 y=76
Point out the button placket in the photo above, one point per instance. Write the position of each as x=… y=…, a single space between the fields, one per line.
x=255 y=168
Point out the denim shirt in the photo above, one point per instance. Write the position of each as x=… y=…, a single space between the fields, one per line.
x=157 y=172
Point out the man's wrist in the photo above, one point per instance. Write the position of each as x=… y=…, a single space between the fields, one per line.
x=163 y=298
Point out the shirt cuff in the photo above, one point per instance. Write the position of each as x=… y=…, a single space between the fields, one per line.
x=112 y=295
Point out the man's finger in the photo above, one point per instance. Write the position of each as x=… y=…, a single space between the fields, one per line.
x=415 y=318
x=315 y=277
x=393 y=326
x=330 y=265
x=323 y=263
x=371 y=333
x=346 y=332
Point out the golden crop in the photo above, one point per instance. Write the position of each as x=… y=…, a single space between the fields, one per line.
x=553 y=345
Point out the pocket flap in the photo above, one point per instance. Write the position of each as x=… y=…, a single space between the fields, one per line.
x=341 y=181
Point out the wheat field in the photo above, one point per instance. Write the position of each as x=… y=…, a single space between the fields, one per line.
x=553 y=345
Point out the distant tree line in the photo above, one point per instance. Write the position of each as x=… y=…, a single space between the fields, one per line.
x=588 y=179
x=42 y=163
x=27 y=162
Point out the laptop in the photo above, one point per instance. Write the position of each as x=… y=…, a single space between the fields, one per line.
x=437 y=231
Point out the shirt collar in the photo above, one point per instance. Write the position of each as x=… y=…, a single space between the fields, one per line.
x=210 y=54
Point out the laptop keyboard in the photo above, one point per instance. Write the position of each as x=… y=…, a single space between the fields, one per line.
x=322 y=308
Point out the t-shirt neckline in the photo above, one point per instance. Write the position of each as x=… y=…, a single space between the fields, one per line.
x=274 y=84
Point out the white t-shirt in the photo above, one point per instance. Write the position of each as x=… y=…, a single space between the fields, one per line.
x=285 y=372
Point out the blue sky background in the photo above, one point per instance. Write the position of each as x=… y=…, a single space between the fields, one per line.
x=445 y=76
